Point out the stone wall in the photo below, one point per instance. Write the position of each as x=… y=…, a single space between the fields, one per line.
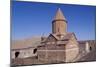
x=23 y=53
x=72 y=50
x=87 y=46
x=51 y=53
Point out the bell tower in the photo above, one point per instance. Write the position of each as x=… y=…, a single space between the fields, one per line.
x=59 y=23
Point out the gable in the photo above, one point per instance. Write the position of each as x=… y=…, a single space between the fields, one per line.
x=74 y=36
x=72 y=41
x=51 y=38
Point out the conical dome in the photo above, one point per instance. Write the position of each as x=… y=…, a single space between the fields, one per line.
x=59 y=23
x=59 y=15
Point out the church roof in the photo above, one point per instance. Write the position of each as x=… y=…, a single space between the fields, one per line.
x=66 y=37
x=59 y=15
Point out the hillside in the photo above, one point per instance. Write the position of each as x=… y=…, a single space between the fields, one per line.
x=25 y=43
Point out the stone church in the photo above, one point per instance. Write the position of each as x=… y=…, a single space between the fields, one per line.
x=58 y=47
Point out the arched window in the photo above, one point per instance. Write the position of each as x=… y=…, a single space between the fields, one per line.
x=35 y=50
x=17 y=54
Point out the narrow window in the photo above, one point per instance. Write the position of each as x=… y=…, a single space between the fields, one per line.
x=90 y=48
x=58 y=29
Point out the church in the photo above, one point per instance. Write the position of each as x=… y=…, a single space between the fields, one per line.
x=60 y=46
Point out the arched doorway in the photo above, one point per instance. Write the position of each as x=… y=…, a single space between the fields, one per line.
x=17 y=54
x=35 y=50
